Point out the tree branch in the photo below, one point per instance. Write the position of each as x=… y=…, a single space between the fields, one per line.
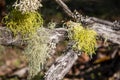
x=65 y=8
x=61 y=66
x=107 y=32
x=7 y=39
x=106 y=29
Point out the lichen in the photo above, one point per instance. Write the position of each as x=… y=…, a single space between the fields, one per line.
x=37 y=51
x=85 y=39
x=27 y=5
x=25 y=24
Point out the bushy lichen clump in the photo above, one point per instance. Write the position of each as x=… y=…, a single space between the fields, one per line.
x=27 y=5
x=85 y=38
x=24 y=24
x=37 y=51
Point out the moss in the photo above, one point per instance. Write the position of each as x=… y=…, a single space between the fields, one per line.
x=25 y=24
x=85 y=38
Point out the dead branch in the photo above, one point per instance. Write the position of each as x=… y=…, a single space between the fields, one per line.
x=65 y=8
x=106 y=29
x=84 y=19
x=61 y=66
x=7 y=39
x=107 y=32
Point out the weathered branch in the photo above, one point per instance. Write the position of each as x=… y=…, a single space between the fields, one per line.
x=107 y=32
x=106 y=29
x=84 y=19
x=61 y=66
x=6 y=37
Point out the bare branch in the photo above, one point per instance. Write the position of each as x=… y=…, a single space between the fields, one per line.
x=106 y=29
x=78 y=16
x=107 y=32
x=6 y=37
x=61 y=66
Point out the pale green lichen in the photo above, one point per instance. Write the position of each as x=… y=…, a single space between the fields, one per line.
x=25 y=24
x=85 y=38
x=37 y=51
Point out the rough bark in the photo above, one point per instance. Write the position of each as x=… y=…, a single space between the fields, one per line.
x=7 y=39
x=61 y=66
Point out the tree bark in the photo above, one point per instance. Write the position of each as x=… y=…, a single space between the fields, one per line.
x=61 y=66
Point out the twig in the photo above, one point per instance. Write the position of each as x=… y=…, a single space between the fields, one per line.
x=65 y=8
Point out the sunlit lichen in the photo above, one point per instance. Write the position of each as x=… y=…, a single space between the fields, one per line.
x=25 y=24
x=85 y=38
